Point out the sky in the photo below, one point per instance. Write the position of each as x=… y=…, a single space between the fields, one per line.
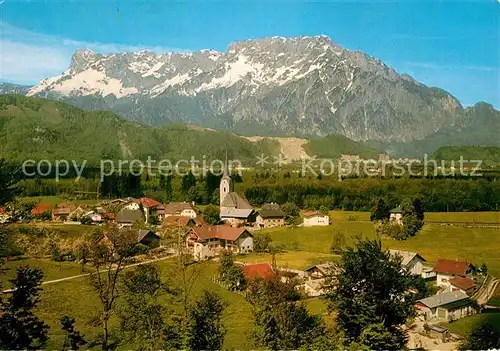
x=453 y=45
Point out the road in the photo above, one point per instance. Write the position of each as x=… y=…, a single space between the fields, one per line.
x=88 y=274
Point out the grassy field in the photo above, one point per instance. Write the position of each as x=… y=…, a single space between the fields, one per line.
x=434 y=241
x=54 y=200
x=478 y=217
x=464 y=325
x=290 y=259
x=51 y=270
x=495 y=299
x=64 y=230
x=305 y=247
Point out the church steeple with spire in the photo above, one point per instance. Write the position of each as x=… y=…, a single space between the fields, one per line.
x=225 y=183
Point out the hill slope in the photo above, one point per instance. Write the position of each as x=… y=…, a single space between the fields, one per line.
x=489 y=155
x=333 y=146
x=302 y=86
x=480 y=126
x=33 y=128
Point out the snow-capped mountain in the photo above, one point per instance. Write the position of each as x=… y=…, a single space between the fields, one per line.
x=301 y=86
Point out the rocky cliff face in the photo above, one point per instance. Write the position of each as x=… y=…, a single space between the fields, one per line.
x=304 y=86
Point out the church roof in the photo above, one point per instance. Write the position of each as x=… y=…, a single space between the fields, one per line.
x=232 y=199
x=231 y=212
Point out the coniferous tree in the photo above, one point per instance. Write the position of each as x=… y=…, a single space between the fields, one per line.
x=8 y=183
x=205 y=328
x=73 y=339
x=20 y=328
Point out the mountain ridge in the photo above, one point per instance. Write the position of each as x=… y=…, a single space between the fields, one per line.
x=300 y=86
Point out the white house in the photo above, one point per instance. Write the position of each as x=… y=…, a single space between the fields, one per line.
x=412 y=262
x=447 y=269
x=396 y=216
x=448 y=306
x=315 y=218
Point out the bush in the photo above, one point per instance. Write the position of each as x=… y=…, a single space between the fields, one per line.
x=261 y=242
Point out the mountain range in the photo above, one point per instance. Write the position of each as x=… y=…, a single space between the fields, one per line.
x=301 y=86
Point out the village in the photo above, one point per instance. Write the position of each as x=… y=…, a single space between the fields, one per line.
x=461 y=288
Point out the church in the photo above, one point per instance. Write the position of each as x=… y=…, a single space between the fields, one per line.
x=234 y=209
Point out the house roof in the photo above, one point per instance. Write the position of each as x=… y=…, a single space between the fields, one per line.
x=231 y=212
x=41 y=208
x=443 y=299
x=180 y=220
x=61 y=211
x=147 y=202
x=129 y=216
x=406 y=256
x=271 y=206
x=2 y=210
x=310 y=213
x=463 y=283
x=272 y=213
x=233 y=199
x=453 y=267
x=324 y=268
x=259 y=270
x=397 y=210
x=219 y=232
x=141 y=233
x=178 y=207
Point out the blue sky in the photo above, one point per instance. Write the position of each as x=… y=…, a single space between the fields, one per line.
x=451 y=45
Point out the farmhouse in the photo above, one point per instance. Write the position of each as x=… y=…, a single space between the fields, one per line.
x=207 y=241
x=270 y=216
x=182 y=221
x=447 y=269
x=463 y=284
x=183 y=209
x=93 y=216
x=318 y=271
x=78 y=213
x=41 y=209
x=447 y=306
x=412 y=262
x=149 y=205
x=62 y=212
x=126 y=217
x=315 y=218
x=396 y=216
x=143 y=236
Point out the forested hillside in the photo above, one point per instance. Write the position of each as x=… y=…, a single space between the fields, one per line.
x=490 y=156
x=32 y=128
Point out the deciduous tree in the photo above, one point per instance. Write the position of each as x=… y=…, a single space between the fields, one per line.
x=372 y=297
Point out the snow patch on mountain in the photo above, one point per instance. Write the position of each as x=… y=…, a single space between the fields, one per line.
x=91 y=82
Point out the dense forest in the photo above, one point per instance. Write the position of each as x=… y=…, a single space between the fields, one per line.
x=437 y=193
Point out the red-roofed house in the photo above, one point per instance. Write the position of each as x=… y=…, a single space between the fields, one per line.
x=259 y=270
x=149 y=206
x=447 y=269
x=207 y=241
x=464 y=284
x=40 y=209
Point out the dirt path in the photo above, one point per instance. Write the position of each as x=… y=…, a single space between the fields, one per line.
x=291 y=148
x=88 y=274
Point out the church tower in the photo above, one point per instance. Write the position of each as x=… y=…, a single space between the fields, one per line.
x=225 y=183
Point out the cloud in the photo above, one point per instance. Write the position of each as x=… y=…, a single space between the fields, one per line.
x=27 y=57
x=431 y=65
